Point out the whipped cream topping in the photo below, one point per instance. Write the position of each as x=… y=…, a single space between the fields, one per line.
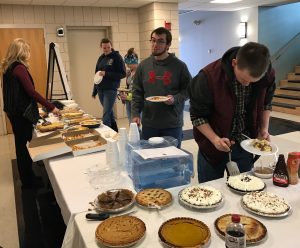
x=201 y=195
x=265 y=202
x=245 y=183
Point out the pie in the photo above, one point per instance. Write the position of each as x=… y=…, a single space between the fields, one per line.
x=120 y=231
x=153 y=198
x=76 y=121
x=184 y=232
x=254 y=229
x=51 y=127
x=114 y=199
x=201 y=195
x=265 y=203
x=72 y=115
x=245 y=183
x=87 y=145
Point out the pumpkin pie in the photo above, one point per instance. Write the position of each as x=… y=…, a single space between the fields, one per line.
x=153 y=197
x=120 y=231
x=184 y=232
x=254 y=229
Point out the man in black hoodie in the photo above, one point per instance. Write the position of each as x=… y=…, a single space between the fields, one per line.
x=111 y=67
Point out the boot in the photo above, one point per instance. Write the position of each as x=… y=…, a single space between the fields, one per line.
x=114 y=126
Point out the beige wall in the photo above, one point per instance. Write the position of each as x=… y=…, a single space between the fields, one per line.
x=153 y=16
x=127 y=27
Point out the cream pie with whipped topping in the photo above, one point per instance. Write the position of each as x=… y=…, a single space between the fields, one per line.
x=201 y=195
x=265 y=203
x=245 y=183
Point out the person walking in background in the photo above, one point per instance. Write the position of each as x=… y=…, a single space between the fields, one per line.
x=131 y=61
x=111 y=67
x=18 y=92
x=230 y=97
x=161 y=74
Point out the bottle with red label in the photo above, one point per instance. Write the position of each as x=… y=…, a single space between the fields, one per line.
x=280 y=175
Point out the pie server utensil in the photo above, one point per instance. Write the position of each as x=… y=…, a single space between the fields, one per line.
x=104 y=216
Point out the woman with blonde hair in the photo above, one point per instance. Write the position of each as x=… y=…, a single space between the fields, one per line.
x=18 y=94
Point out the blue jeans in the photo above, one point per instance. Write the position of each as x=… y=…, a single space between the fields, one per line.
x=207 y=172
x=128 y=110
x=148 y=132
x=107 y=99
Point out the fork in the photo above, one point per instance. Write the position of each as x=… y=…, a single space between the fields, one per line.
x=232 y=167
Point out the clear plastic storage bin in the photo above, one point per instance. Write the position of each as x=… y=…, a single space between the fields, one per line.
x=158 y=173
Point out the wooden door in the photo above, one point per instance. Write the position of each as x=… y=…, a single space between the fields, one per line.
x=37 y=63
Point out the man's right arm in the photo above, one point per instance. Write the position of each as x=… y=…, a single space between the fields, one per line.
x=201 y=107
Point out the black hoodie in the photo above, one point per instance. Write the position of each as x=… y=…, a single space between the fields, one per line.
x=114 y=68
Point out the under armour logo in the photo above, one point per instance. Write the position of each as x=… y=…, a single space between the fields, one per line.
x=166 y=77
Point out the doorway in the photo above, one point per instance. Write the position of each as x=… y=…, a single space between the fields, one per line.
x=38 y=66
x=84 y=51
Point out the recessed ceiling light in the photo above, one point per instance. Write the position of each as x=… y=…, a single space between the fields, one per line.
x=225 y=1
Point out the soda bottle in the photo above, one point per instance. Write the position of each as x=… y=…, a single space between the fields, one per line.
x=280 y=175
x=235 y=233
x=293 y=167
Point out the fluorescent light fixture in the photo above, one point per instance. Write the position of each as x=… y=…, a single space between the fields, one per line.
x=242 y=30
x=225 y=1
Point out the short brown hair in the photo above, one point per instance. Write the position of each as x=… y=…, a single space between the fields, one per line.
x=162 y=30
x=105 y=40
x=253 y=57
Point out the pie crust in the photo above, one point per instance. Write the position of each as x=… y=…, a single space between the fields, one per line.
x=254 y=229
x=51 y=127
x=184 y=232
x=120 y=231
x=153 y=197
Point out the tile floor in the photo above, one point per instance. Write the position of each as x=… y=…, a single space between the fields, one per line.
x=8 y=222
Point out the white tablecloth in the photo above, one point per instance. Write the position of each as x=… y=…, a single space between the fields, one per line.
x=281 y=232
x=73 y=194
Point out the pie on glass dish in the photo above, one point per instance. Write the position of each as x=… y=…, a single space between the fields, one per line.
x=154 y=198
x=115 y=200
x=200 y=197
x=120 y=231
x=255 y=231
x=265 y=204
x=184 y=232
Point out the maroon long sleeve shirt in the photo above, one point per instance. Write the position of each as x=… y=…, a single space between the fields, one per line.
x=22 y=74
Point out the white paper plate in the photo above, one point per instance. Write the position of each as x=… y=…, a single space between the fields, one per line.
x=247 y=145
x=157 y=98
x=97 y=78
x=156 y=140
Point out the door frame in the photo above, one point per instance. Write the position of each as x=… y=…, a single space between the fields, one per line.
x=3 y=128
